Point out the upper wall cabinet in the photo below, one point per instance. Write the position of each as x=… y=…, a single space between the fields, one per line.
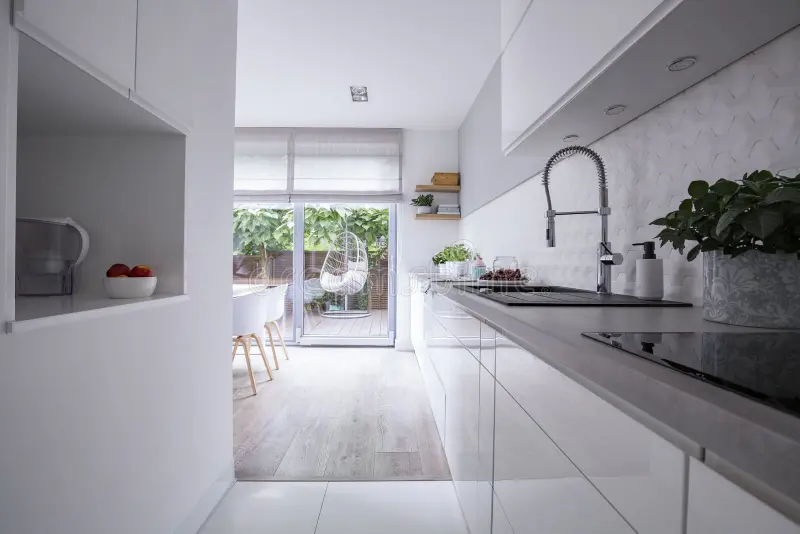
x=584 y=68
x=98 y=36
x=558 y=42
x=511 y=12
x=163 y=61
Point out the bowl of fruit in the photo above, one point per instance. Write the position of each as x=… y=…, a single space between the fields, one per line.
x=122 y=282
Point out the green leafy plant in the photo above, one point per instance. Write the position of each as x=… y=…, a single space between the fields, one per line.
x=265 y=230
x=453 y=253
x=260 y=231
x=422 y=200
x=759 y=212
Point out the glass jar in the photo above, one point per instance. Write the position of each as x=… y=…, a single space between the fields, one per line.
x=505 y=262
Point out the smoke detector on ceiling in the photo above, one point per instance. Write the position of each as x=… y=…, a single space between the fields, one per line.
x=359 y=93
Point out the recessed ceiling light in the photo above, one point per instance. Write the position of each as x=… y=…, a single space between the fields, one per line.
x=359 y=93
x=614 y=110
x=570 y=138
x=682 y=63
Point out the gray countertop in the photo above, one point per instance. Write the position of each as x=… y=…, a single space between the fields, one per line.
x=756 y=439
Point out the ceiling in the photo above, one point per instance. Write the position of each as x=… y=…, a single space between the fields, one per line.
x=424 y=61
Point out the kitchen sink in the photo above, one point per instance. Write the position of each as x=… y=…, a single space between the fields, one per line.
x=531 y=295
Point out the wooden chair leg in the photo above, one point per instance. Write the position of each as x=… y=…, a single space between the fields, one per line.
x=249 y=367
x=280 y=336
x=272 y=344
x=263 y=354
x=235 y=346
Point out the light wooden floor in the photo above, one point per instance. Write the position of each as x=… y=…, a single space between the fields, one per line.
x=336 y=414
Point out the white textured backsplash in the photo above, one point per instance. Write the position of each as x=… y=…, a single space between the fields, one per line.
x=745 y=117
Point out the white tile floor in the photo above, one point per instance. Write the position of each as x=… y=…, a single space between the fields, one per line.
x=338 y=508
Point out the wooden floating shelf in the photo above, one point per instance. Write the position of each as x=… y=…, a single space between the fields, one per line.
x=438 y=217
x=438 y=188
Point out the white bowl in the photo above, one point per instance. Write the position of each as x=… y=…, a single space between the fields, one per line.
x=130 y=288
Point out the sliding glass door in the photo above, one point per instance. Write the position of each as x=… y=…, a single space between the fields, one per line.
x=346 y=254
x=347 y=273
x=263 y=256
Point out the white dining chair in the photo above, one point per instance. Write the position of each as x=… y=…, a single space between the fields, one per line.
x=275 y=308
x=248 y=313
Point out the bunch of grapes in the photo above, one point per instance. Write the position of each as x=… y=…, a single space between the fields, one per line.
x=503 y=274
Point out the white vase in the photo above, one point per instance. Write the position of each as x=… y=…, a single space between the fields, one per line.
x=457 y=268
x=423 y=210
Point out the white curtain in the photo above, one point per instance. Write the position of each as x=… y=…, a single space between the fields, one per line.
x=347 y=160
x=261 y=160
x=335 y=161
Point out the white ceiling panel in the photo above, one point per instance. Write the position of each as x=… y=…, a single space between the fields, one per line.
x=424 y=61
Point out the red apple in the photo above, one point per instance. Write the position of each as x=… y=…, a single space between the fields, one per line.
x=118 y=269
x=141 y=271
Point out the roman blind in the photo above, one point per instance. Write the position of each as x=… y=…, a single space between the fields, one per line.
x=261 y=160
x=316 y=162
x=354 y=160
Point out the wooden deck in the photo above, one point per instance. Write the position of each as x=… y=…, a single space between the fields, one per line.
x=336 y=414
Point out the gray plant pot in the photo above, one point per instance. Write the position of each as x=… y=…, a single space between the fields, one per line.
x=754 y=289
x=424 y=210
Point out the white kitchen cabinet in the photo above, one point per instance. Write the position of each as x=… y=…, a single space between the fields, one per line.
x=500 y=522
x=485 y=492
x=164 y=61
x=462 y=325
x=432 y=335
x=488 y=344
x=639 y=472
x=511 y=12
x=537 y=486
x=417 y=319
x=555 y=46
x=460 y=373
x=99 y=36
x=718 y=505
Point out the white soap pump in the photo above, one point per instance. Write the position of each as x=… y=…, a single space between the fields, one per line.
x=649 y=273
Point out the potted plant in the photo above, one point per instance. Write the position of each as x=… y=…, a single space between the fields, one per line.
x=424 y=204
x=749 y=234
x=440 y=261
x=457 y=257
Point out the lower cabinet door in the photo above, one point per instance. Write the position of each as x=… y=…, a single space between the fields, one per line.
x=500 y=522
x=483 y=506
x=537 y=486
x=432 y=339
x=460 y=373
x=717 y=505
x=636 y=470
x=488 y=347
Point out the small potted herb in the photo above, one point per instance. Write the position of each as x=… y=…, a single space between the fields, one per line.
x=458 y=257
x=440 y=262
x=749 y=234
x=424 y=204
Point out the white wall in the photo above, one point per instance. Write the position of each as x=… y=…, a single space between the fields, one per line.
x=122 y=174
x=424 y=153
x=745 y=117
x=122 y=424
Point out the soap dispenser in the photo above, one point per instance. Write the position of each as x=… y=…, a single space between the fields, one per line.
x=649 y=273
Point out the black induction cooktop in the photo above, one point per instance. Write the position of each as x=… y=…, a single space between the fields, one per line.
x=762 y=366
